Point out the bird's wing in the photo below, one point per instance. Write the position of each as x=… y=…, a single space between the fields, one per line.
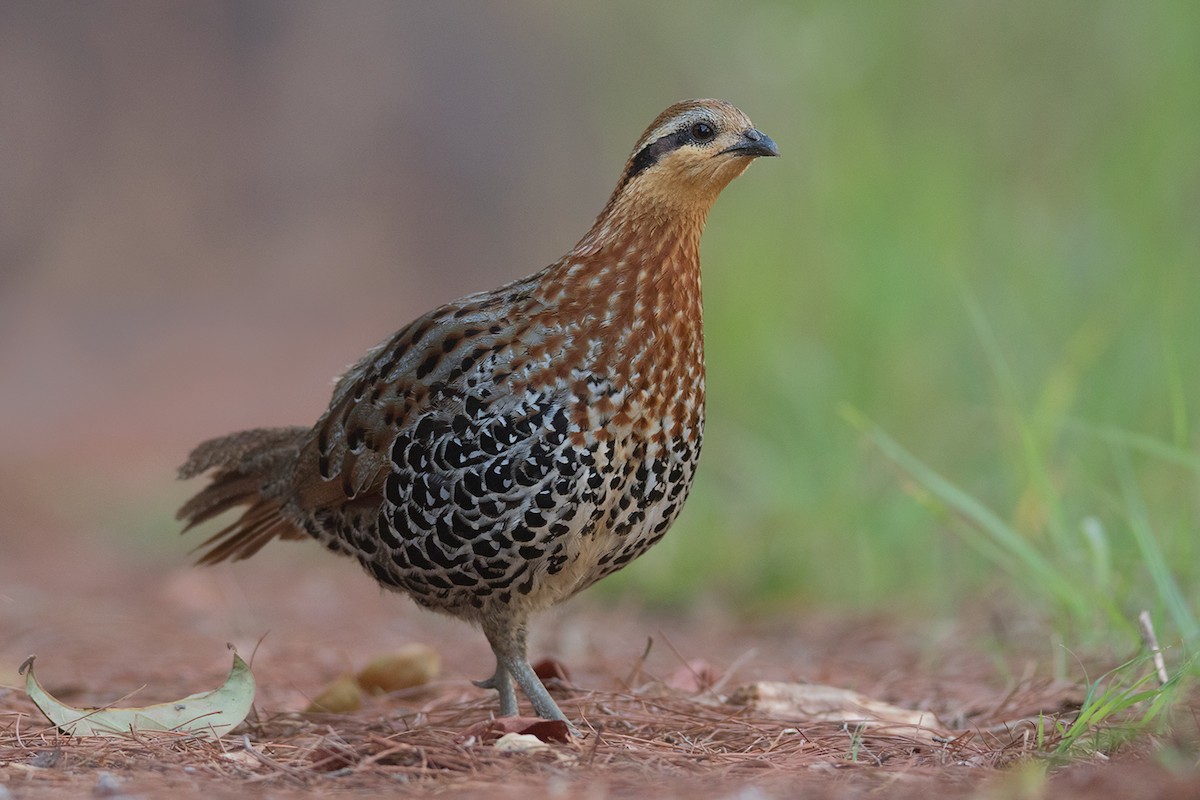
x=420 y=373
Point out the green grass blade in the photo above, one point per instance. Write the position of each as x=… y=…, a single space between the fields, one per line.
x=1152 y=555
x=1022 y=557
x=1033 y=460
x=1141 y=443
x=1178 y=396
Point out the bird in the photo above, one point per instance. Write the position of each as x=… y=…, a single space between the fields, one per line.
x=507 y=450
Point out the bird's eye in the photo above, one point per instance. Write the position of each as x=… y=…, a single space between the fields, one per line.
x=703 y=132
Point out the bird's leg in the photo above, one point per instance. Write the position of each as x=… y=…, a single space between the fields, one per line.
x=507 y=638
x=502 y=682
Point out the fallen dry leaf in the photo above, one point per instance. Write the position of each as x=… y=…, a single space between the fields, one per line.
x=552 y=669
x=547 y=730
x=343 y=696
x=811 y=702
x=520 y=743
x=207 y=715
x=413 y=665
x=550 y=730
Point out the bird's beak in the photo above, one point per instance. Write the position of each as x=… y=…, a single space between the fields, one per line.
x=752 y=144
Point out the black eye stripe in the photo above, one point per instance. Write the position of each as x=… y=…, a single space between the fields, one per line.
x=649 y=155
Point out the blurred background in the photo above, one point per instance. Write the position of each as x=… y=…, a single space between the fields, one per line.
x=952 y=333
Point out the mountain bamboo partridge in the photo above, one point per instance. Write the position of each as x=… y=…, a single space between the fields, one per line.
x=508 y=449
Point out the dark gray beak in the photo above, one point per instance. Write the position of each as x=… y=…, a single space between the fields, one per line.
x=753 y=143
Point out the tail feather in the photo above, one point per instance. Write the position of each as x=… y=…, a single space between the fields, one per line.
x=223 y=493
x=258 y=525
x=252 y=468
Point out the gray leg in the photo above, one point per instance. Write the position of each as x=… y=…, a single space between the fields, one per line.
x=507 y=637
x=502 y=682
x=543 y=704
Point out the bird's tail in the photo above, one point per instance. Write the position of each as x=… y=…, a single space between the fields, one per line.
x=253 y=469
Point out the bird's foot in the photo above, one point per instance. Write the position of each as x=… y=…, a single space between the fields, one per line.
x=502 y=682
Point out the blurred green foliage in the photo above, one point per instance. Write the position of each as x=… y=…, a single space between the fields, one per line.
x=984 y=237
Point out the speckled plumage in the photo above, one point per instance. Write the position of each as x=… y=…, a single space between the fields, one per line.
x=503 y=452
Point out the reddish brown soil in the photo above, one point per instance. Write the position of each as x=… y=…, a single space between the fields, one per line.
x=104 y=622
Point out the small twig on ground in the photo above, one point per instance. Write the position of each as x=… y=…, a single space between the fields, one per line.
x=597 y=734
x=1160 y=666
x=1011 y=726
x=686 y=664
x=641 y=662
x=270 y=762
x=734 y=665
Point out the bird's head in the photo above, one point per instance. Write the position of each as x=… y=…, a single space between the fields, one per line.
x=688 y=155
